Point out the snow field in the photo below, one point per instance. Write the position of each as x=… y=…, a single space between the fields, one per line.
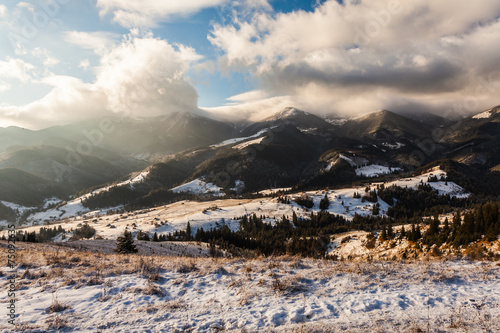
x=157 y=294
x=213 y=214
x=74 y=207
x=199 y=187
x=375 y=170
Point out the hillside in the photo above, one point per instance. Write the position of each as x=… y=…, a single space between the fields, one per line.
x=384 y=125
x=97 y=292
x=26 y=189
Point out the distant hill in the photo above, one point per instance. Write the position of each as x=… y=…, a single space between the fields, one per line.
x=75 y=173
x=384 y=125
x=26 y=189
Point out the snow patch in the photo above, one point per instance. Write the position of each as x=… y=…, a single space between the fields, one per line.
x=14 y=206
x=395 y=146
x=199 y=187
x=483 y=115
x=248 y=143
x=375 y=170
x=237 y=140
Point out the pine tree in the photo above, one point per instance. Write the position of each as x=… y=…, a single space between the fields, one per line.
x=155 y=237
x=390 y=232
x=125 y=244
x=383 y=235
x=324 y=203
x=188 y=231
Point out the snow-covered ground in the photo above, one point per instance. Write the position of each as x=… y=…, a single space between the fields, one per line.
x=237 y=140
x=199 y=187
x=245 y=144
x=443 y=187
x=483 y=115
x=352 y=160
x=74 y=207
x=17 y=207
x=213 y=214
x=274 y=190
x=375 y=170
x=164 y=294
x=393 y=146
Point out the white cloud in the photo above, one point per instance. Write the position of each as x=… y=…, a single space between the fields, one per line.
x=84 y=64
x=97 y=41
x=44 y=54
x=16 y=69
x=249 y=96
x=142 y=76
x=419 y=53
x=146 y=75
x=253 y=110
x=28 y=6
x=3 y=11
x=4 y=86
x=147 y=13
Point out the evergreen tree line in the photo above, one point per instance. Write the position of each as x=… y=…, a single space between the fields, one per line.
x=46 y=234
x=424 y=201
x=481 y=222
x=43 y=235
x=298 y=236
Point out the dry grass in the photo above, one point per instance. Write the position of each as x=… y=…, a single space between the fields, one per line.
x=247 y=279
x=56 y=323
x=57 y=306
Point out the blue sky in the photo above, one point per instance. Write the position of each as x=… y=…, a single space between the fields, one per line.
x=68 y=60
x=192 y=30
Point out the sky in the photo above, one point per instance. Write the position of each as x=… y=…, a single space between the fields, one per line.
x=69 y=60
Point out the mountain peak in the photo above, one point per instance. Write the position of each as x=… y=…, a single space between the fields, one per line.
x=288 y=112
x=380 y=114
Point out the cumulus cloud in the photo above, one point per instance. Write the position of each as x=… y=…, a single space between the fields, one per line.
x=147 y=13
x=143 y=76
x=370 y=54
x=13 y=68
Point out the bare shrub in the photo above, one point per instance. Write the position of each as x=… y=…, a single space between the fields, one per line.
x=187 y=268
x=289 y=285
x=95 y=279
x=370 y=241
x=57 y=306
x=147 y=268
x=475 y=252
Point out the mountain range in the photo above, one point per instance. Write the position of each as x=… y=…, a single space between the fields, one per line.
x=289 y=148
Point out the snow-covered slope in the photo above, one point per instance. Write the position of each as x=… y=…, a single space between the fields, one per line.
x=155 y=294
x=483 y=115
x=74 y=207
x=238 y=140
x=199 y=187
x=375 y=170
x=213 y=214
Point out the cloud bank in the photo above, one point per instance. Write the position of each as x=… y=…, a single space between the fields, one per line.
x=361 y=56
x=141 y=76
